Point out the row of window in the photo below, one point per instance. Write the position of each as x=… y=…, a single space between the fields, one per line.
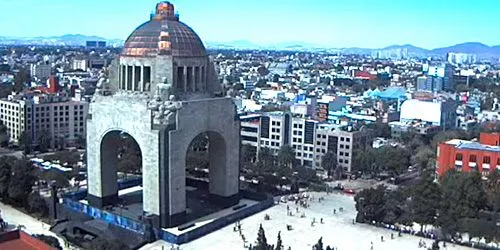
x=473 y=158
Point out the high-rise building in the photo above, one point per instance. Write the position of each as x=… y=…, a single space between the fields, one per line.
x=441 y=78
x=461 y=58
x=54 y=115
x=309 y=139
x=41 y=70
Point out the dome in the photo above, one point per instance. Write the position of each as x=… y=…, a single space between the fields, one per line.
x=164 y=34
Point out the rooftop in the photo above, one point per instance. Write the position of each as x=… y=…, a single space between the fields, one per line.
x=15 y=240
x=472 y=145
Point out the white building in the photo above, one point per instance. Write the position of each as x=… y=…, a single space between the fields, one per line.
x=309 y=138
x=55 y=115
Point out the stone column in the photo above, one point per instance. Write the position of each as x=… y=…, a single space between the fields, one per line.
x=126 y=78
x=120 y=76
x=133 y=78
x=200 y=80
x=193 y=78
x=185 y=78
x=141 y=81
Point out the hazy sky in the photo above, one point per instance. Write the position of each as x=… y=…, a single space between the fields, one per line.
x=335 y=23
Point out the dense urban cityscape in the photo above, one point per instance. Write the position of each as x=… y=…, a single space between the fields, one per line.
x=166 y=141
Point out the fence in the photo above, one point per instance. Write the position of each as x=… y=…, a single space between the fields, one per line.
x=108 y=217
x=216 y=224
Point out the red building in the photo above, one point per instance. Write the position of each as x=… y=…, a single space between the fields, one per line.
x=482 y=156
x=19 y=240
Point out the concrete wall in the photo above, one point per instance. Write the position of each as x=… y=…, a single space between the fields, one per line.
x=216 y=116
x=128 y=114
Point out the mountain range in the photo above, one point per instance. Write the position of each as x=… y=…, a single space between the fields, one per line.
x=481 y=50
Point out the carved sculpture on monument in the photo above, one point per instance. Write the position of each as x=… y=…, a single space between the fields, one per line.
x=164 y=104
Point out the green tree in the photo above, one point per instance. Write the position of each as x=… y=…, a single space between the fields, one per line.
x=60 y=179
x=279 y=243
x=380 y=129
x=365 y=160
x=43 y=140
x=370 y=204
x=492 y=188
x=248 y=153
x=261 y=240
x=423 y=156
x=425 y=199
x=395 y=160
x=319 y=244
x=20 y=79
x=25 y=142
x=49 y=240
x=266 y=161
x=329 y=162
x=6 y=163
x=37 y=205
x=463 y=197
x=21 y=182
x=286 y=156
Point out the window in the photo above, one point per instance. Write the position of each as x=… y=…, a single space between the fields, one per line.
x=472 y=158
x=458 y=157
x=347 y=139
x=342 y=138
x=347 y=154
x=486 y=160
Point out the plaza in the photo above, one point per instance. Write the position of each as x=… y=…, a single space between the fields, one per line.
x=337 y=230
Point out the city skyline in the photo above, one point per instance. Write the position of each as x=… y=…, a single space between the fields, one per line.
x=356 y=23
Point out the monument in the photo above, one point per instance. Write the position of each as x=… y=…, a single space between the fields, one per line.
x=162 y=92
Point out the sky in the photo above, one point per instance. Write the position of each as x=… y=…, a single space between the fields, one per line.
x=333 y=23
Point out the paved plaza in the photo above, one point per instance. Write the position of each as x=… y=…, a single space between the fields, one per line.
x=337 y=230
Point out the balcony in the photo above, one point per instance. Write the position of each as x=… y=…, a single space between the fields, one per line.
x=486 y=165
x=458 y=163
x=472 y=164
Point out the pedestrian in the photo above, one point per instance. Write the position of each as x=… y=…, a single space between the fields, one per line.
x=382 y=238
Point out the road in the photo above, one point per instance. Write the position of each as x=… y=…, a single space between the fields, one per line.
x=29 y=224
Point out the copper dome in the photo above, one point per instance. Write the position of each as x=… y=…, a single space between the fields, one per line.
x=164 y=34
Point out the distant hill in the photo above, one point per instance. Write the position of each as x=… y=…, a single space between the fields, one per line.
x=482 y=50
x=65 y=40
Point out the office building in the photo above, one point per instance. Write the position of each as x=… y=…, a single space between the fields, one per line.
x=435 y=113
x=309 y=139
x=42 y=113
x=461 y=155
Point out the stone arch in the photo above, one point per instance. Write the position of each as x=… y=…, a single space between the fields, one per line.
x=218 y=165
x=110 y=142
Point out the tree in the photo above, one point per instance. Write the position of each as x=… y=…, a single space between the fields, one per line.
x=461 y=87
x=6 y=163
x=266 y=161
x=286 y=156
x=21 y=182
x=261 y=240
x=358 y=88
x=248 y=153
x=25 y=142
x=492 y=188
x=464 y=197
x=329 y=162
x=49 y=240
x=395 y=160
x=423 y=156
x=380 y=129
x=36 y=204
x=262 y=70
x=435 y=245
x=44 y=141
x=20 y=79
x=425 y=199
x=365 y=160
x=59 y=178
x=370 y=204
x=319 y=245
x=279 y=243
x=81 y=142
